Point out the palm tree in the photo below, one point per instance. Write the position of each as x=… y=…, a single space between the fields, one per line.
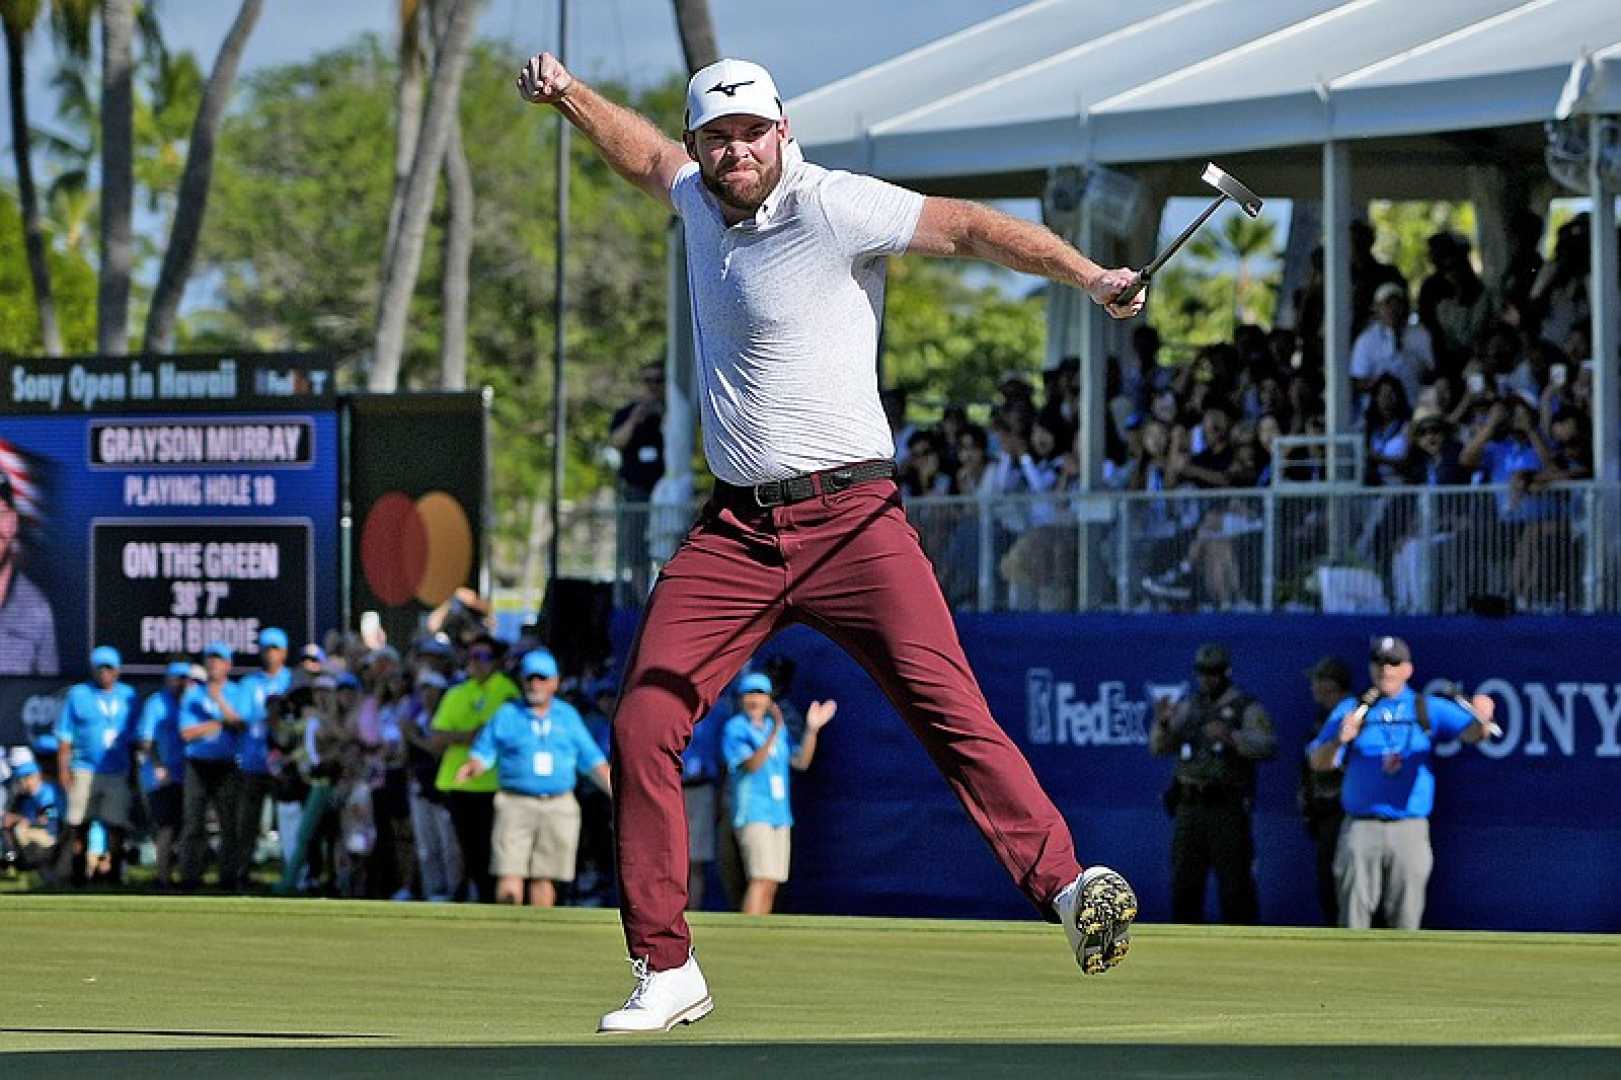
x=408 y=119
x=72 y=210
x=192 y=202
x=697 y=30
x=405 y=259
x=117 y=176
x=18 y=18
x=1240 y=239
x=458 y=235
x=458 y=256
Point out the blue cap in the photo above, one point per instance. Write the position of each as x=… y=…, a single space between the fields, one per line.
x=105 y=656
x=539 y=662
x=755 y=682
x=177 y=669
x=24 y=768
x=219 y=649
x=313 y=652
x=347 y=681
x=272 y=637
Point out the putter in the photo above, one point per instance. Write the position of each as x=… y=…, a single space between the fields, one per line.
x=1230 y=188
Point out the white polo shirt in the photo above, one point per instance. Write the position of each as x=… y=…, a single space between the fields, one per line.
x=786 y=307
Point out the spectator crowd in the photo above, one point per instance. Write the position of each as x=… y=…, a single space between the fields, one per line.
x=1469 y=382
x=458 y=769
x=386 y=783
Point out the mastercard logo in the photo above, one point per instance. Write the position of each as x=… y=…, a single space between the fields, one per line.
x=420 y=548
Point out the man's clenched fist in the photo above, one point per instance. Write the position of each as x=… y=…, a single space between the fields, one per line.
x=1110 y=284
x=544 y=80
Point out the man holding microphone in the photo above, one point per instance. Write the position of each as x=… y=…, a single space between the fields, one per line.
x=1384 y=740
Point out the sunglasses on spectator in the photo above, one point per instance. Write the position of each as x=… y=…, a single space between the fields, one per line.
x=1388 y=661
x=480 y=654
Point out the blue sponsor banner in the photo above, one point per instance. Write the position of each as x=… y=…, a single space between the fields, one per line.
x=157 y=504
x=1526 y=831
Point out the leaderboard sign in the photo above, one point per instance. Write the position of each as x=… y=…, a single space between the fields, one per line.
x=163 y=503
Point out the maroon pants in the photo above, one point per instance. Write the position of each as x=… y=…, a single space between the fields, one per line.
x=849 y=565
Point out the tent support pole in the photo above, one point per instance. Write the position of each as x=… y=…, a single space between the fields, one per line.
x=1606 y=307
x=1094 y=402
x=1336 y=288
x=1336 y=325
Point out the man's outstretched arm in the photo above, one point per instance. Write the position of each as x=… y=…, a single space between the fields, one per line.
x=959 y=228
x=627 y=141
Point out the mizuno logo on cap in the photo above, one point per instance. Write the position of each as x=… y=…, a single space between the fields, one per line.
x=729 y=89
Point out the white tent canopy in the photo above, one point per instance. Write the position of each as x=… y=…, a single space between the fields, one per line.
x=1061 y=82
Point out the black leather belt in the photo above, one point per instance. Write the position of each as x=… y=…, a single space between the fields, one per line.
x=795 y=489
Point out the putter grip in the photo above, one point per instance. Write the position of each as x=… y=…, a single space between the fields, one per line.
x=1129 y=293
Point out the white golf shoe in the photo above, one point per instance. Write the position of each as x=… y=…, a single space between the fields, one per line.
x=661 y=999
x=1096 y=910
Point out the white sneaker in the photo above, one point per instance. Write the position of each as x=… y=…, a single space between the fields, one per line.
x=1096 y=910
x=662 y=999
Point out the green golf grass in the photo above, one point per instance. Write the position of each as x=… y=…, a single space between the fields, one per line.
x=135 y=986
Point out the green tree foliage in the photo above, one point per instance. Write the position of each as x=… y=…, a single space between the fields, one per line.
x=302 y=186
x=1238 y=240
x=73 y=283
x=1403 y=230
x=948 y=341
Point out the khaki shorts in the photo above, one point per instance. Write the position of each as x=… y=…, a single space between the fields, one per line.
x=765 y=852
x=99 y=797
x=700 y=800
x=535 y=837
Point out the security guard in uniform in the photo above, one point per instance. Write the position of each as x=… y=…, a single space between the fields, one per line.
x=1217 y=735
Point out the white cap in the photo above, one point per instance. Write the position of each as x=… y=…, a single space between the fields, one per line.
x=731 y=88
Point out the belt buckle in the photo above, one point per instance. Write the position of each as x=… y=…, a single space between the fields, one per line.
x=835 y=480
x=772 y=486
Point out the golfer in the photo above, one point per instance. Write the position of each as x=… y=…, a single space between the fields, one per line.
x=785 y=266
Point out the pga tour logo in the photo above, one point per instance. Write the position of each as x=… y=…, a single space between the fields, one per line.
x=1056 y=714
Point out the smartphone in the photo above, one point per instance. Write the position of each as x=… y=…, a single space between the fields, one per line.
x=1558 y=374
x=1477 y=382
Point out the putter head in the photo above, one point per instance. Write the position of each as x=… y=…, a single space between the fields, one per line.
x=1230 y=187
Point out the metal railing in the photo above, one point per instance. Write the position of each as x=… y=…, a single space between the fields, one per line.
x=1321 y=548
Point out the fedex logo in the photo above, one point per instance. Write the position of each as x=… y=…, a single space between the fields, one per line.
x=1057 y=715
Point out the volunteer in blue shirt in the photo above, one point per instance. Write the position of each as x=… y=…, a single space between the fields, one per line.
x=162 y=753
x=756 y=747
x=1384 y=741
x=537 y=748
x=32 y=819
x=258 y=690
x=211 y=722
x=93 y=736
